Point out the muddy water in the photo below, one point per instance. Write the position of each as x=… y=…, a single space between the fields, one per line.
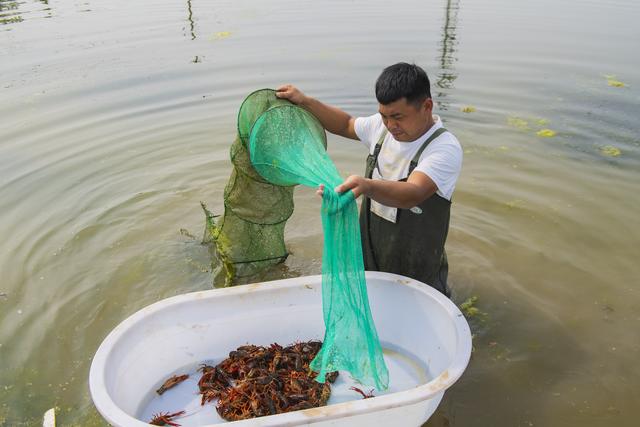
x=116 y=118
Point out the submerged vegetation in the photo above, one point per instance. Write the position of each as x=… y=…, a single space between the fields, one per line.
x=469 y=309
x=610 y=151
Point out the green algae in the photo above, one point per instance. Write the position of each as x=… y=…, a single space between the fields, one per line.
x=546 y=133
x=610 y=151
x=613 y=82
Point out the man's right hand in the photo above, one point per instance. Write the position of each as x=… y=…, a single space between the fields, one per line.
x=333 y=119
x=291 y=93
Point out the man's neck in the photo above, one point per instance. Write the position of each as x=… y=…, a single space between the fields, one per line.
x=430 y=124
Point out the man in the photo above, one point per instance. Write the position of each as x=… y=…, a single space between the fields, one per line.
x=412 y=169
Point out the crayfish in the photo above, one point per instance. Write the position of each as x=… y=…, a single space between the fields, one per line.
x=255 y=381
x=165 y=419
x=364 y=395
x=171 y=382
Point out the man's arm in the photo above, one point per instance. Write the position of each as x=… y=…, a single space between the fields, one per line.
x=418 y=188
x=333 y=119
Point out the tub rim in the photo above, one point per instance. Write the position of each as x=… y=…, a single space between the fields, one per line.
x=114 y=415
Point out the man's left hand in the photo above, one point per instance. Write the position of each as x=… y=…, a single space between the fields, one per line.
x=357 y=184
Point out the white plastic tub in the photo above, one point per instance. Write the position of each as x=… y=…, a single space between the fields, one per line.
x=426 y=341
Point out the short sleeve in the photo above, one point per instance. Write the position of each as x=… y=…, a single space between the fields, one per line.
x=442 y=164
x=368 y=129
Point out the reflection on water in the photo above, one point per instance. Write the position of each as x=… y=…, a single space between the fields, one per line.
x=191 y=24
x=9 y=13
x=447 y=73
x=13 y=12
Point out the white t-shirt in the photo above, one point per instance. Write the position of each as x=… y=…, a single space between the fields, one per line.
x=441 y=160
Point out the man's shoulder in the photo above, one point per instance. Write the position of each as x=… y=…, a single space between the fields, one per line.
x=447 y=139
x=369 y=128
x=445 y=147
x=371 y=122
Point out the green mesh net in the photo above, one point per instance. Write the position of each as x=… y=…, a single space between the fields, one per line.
x=279 y=146
x=249 y=237
x=285 y=150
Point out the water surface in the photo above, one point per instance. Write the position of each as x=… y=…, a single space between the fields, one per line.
x=116 y=119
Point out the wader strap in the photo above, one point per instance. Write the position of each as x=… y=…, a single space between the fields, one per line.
x=416 y=158
x=372 y=163
x=372 y=159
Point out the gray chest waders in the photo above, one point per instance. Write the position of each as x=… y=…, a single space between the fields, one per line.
x=414 y=245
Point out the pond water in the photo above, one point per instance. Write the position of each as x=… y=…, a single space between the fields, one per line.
x=116 y=119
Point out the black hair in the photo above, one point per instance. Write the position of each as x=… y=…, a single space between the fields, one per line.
x=402 y=80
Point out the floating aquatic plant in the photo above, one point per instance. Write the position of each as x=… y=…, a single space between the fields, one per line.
x=517 y=122
x=468 y=109
x=523 y=124
x=612 y=81
x=512 y=204
x=221 y=35
x=610 y=151
x=468 y=307
x=546 y=133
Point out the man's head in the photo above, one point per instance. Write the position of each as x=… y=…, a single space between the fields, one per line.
x=404 y=97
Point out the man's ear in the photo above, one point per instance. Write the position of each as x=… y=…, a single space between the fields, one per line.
x=427 y=104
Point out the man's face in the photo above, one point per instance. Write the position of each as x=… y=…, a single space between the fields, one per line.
x=407 y=121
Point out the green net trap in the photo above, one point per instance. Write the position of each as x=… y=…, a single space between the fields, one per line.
x=286 y=150
x=278 y=146
x=249 y=237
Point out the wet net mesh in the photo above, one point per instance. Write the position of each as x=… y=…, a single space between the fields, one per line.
x=249 y=237
x=285 y=150
x=279 y=146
